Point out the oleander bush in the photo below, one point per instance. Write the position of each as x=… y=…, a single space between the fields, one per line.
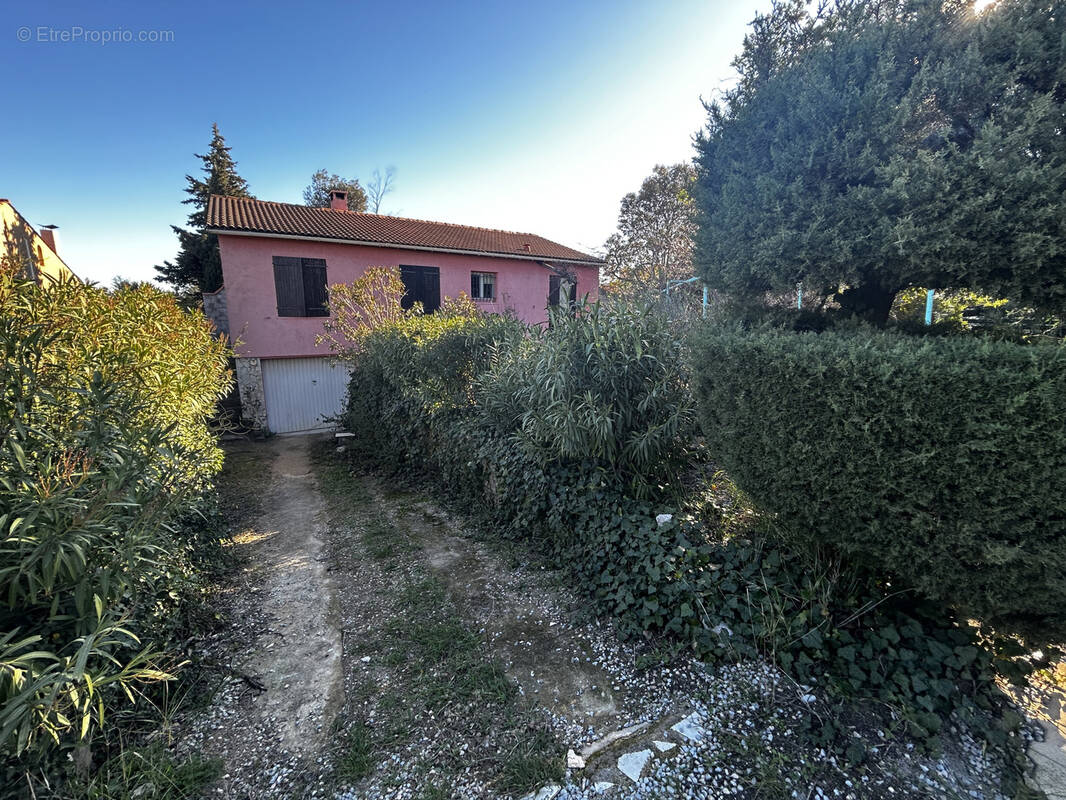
x=507 y=423
x=938 y=461
x=105 y=456
x=604 y=387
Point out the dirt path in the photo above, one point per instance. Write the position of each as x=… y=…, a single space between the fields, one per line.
x=302 y=673
x=375 y=648
x=281 y=651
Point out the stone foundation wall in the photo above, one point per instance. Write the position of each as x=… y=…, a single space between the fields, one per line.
x=250 y=385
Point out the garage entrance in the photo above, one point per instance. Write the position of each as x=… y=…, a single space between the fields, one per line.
x=302 y=393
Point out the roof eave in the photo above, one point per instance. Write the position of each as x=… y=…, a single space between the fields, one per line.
x=424 y=248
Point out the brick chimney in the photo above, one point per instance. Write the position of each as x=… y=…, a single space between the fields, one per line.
x=338 y=200
x=51 y=238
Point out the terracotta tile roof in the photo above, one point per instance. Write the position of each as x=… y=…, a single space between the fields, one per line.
x=239 y=214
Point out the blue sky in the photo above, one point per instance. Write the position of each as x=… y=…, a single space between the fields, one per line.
x=524 y=116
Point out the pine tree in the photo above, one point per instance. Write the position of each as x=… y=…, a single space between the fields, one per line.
x=197 y=267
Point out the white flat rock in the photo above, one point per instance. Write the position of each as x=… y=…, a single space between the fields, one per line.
x=664 y=747
x=544 y=793
x=602 y=786
x=690 y=728
x=632 y=764
x=574 y=761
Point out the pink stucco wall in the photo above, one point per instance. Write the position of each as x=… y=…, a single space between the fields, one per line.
x=248 y=272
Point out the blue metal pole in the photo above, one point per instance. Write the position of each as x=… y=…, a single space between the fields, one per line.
x=799 y=296
x=929 y=307
x=705 y=301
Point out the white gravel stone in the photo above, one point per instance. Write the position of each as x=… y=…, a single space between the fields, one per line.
x=690 y=728
x=632 y=764
x=547 y=792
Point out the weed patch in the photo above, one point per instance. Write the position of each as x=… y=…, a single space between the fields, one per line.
x=149 y=774
x=357 y=760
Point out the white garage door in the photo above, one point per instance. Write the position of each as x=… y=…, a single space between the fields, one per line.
x=301 y=393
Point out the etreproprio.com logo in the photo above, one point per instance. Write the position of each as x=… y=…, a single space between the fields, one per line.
x=77 y=34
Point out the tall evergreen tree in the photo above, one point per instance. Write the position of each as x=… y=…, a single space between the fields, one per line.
x=883 y=145
x=197 y=267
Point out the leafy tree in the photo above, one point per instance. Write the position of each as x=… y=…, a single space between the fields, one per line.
x=655 y=228
x=369 y=303
x=322 y=183
x=875 y=146
x=197 y=267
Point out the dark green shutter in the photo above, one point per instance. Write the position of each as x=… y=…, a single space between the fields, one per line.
x=431 y=289
x=314 y=282
x=289 y=286
x=422 y=285
x=553 y=290
x=412 y=284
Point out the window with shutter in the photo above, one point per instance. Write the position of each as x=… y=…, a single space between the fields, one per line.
x=561 y=291
x=300 y=285
x=554 y=286
x=422 y=285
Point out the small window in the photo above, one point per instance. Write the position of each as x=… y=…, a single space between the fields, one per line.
x=561 y=291
x=483 y=285
x=300 y=285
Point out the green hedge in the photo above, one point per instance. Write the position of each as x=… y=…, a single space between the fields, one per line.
x=486 y=413
x=941 y=461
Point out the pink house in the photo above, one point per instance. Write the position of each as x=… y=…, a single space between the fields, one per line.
x=278 y=258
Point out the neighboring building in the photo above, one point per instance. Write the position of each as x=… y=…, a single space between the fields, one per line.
x=277 y=260
x=37 y=250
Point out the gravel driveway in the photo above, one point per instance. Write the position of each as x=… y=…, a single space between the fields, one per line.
x=375 y=647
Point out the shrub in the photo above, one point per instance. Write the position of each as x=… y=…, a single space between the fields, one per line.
x=606 y=386
x=939 y=461
x=949 y=307
x=368 y=303
x=411 y=379
x=707 y=581
x=104 y=450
